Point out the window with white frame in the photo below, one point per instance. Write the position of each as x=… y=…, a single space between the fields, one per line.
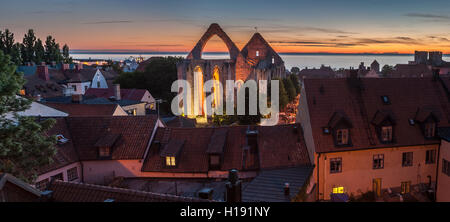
x=72 y=174
x=336 y=165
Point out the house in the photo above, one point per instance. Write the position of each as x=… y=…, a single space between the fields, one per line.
x=63 y=79
x=76 y=109
x=81 y=79
x=443 y=168
x=15 y=190
x=411 y=70
x=130 y=65
x=142 y=95
x=96 y=149
x=373 y=134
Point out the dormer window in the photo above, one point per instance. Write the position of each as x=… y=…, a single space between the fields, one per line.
x=342 y=136
x=171 y=152
x=429 y=129
x=386 y=133
x=170 y=161
x=339 y=125
x=104 y=151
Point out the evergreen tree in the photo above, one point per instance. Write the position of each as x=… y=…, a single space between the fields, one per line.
x=66 y=55
x=2 y=45
x=16 y=54
x=39 y=52
x=28 y=49
x=294 y=80
x=7 y=41
x=23 y=144
x=290 y=89
x=52 y=51
x=282 y=95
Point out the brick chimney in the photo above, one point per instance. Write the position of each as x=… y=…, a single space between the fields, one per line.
x=117 y=91
x=65 y=66
x=234 y=187
x=42 y=72
x=79 y=66
x=77 y=98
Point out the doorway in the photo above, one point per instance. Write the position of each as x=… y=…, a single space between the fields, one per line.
x=377 y=186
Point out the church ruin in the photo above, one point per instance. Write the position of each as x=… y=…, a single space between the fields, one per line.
x=256 y=61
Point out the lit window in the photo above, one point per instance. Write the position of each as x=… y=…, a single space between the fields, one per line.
x=430 y=156
x=335 y=165
x=429 y=130
x=342 y=136
x=257 y=53
x=406 y=187
x=407 y=159
x=378 y=161
x=411 y=122
x=170 y=161
x=273 y=60
x=72 y=174
x=338 y=189
x=386 y=133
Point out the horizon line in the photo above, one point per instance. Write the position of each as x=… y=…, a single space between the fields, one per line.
x=106 y=51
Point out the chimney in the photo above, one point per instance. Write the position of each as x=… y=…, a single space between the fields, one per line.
x=233 y=187
x=79 y=66
x=286 y=189
x=65 y=66
x=38 y=97
x=42 y=72
x=77 y=98
x=117 y=91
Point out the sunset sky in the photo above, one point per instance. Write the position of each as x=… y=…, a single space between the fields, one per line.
x=290 y=26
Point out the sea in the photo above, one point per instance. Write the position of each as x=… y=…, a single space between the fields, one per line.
x=301 y=60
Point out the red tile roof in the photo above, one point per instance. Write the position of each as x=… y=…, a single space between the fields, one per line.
x=85 y=109
x=125 y=94
x=411 y=70
x=278 y=146
x=66 y=153
x=406 y=95
x=79 y=192
x=134 y=131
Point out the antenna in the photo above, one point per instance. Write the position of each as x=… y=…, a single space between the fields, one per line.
x=256 y=29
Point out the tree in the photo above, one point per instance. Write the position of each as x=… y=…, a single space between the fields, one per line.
x=294 y=80
x=16 y=54
x=39 y=52
x=157 y=78
x=295 y=70
x=66 y=55
x=52 y=51
x=24 y=147
x=387 y=69
x=282 y=94
x=28 y=46
x=290 y=89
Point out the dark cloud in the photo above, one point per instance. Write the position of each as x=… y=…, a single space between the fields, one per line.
x=108 y=22
x=428 y=16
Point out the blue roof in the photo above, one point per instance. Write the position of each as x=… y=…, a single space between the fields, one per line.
x=27 y=70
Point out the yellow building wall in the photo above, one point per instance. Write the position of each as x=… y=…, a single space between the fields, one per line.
x=357 y=170
x=443 y=181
